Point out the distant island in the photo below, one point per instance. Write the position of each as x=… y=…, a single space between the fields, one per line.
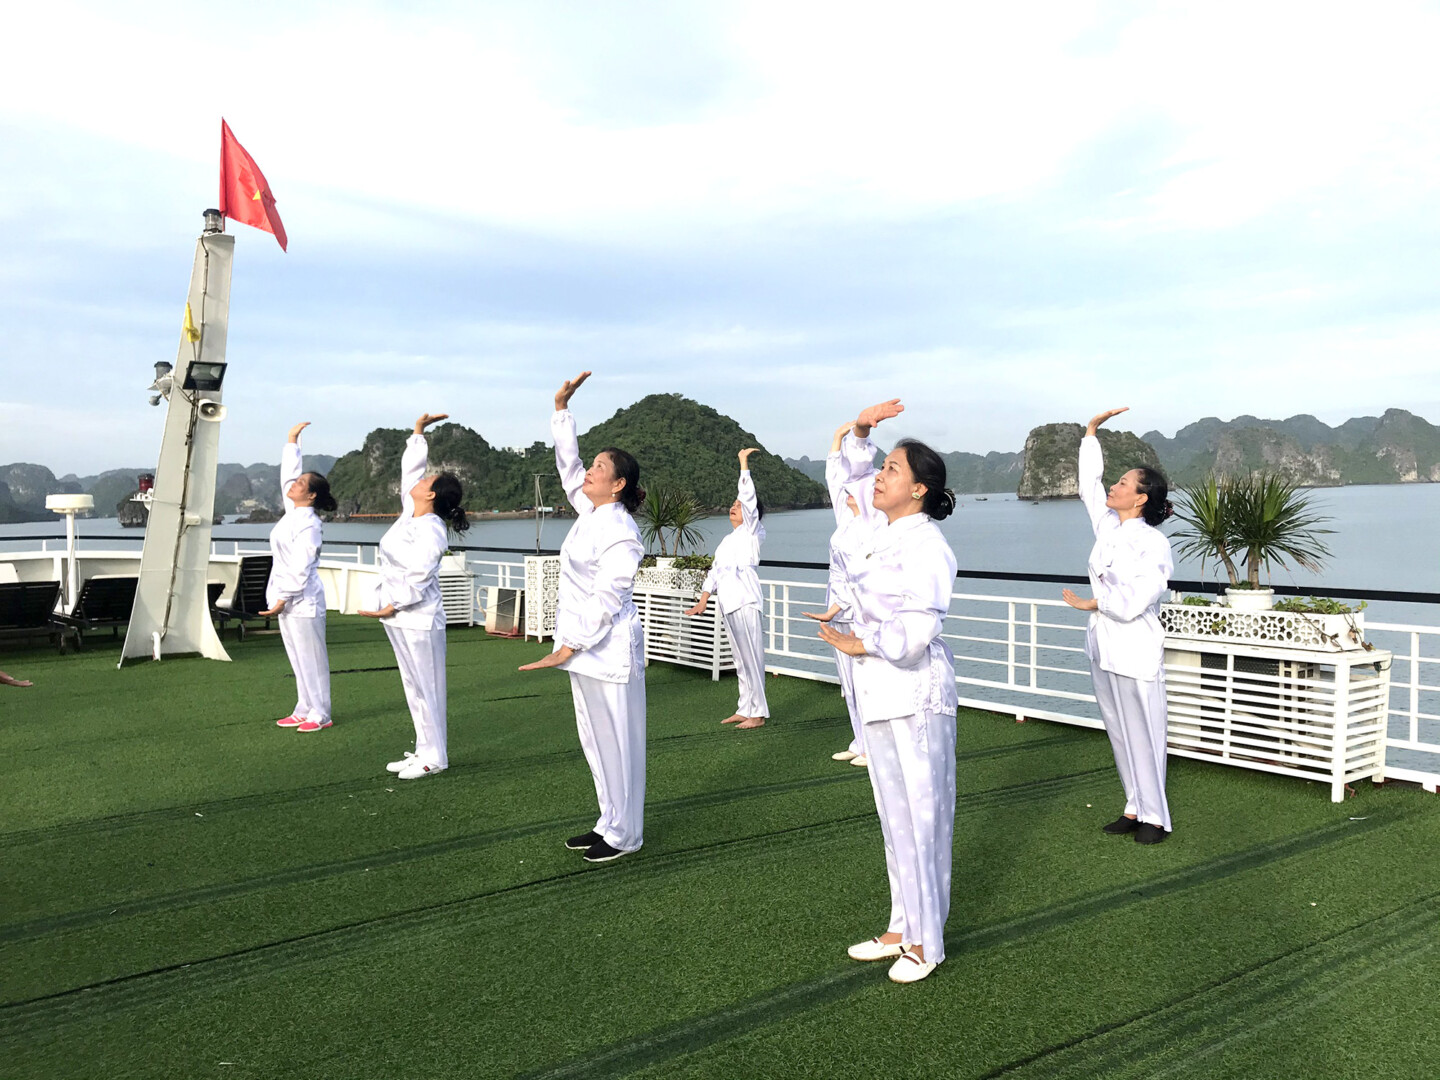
x=692 y=446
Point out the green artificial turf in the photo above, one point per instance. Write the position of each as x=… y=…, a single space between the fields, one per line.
x=188 y=891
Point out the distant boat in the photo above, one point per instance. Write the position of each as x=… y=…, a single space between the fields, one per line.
x=981 y=498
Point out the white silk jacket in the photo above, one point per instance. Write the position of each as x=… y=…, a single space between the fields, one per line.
x=850 y=529
x=295 y=545
x=1129 y=567
x=734 y=577
x=902 y=576
x=410 y=550
x=596 y=615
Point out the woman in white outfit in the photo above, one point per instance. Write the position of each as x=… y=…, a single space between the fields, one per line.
x=598 y=637
x=294 y=593
x=850 y=529
x=902 y=577
x=1130 y=567
x=734 y=580
x=408 y=602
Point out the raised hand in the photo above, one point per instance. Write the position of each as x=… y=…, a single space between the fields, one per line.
x=295 y=431
x=1100 y=418
x=567 y=391
x=426 y=419
x=744 y=456
x=872 y=415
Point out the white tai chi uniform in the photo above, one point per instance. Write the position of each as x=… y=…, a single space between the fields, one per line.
x=409 y=566
x=1130 y=567
x=597 y=618
x=849 y=529
x=902 y=576
x=734 y=581
x=295 y=578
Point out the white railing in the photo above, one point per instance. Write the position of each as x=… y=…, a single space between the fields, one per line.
x=1412 y=753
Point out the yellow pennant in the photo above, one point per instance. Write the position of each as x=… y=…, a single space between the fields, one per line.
x=192 y=332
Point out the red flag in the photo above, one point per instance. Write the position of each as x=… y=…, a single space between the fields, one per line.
x=244 y=194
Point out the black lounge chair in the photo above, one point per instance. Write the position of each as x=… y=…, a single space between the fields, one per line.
x=249 y=599
x=27 y=610
x=104 y=601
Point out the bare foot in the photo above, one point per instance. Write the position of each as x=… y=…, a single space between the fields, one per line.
x=751 y=721
x=732 y=719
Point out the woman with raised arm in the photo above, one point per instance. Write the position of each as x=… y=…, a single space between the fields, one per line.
x=294 y=593
x=902 y=576
x=1130 y=567
x=598 y=636
x=408 y=602
x=839 y=598
x=734 y=580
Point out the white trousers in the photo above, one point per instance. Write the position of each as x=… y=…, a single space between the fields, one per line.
x=610 y=718
x=1135 y=719
x=845 y=668
x=748 y=646
x=912 y=770
x=421 y=656
x=304 y=637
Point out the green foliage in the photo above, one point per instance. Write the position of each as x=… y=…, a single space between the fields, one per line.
x=1198 y=601
x=680 y=445
x=684 y=445
x=1318 y=605
x=669 y=510
x=694 y=562
x=1262 y=517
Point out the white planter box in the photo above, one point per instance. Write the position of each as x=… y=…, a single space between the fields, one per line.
x=1282 y=629
x=699 y=641
x=1304 y=713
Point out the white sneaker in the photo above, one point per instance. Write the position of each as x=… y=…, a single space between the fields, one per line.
x=910 y=968
x=861 y=760
x=875 y=949
x=416 y=769
x=843 y=755
x=402 y=764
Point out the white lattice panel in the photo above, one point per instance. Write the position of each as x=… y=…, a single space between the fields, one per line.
x=699 y=641
x=542 y=595
x=457 y=594
x=1285 y=629
x=1311 y=714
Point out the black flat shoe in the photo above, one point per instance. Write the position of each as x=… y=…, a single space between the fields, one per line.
x=584 y=842
x=600 y=851
x=1150 y=834
x=1120 y=826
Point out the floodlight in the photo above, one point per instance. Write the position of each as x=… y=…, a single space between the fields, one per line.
x=204 y=376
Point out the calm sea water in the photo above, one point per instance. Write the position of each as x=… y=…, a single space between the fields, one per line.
x=1385 y=538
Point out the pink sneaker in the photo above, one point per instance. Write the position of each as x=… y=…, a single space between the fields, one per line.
x=289 y=721
x=312 y=725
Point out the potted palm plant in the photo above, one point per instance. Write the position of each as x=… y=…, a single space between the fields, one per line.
x=1256 y=521
x=669 y=514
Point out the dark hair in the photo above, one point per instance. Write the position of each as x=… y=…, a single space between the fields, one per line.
x=448 y=493
x=627 y=469
x=1155 y=488
x=928 y=468
x=320 y=488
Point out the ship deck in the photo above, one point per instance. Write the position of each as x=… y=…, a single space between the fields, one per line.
x=189 y=891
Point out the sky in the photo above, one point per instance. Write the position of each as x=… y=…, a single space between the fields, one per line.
x=1004 y=214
